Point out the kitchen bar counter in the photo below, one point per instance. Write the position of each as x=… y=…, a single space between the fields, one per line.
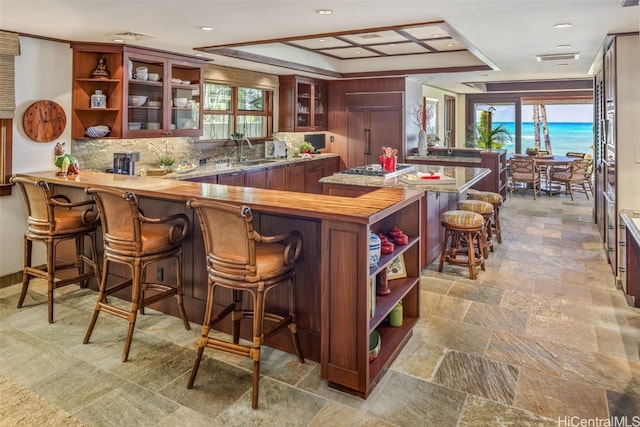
x=333 y=294
x=629 y=265
x=438 y=197
x=464 y=177
x=219 y=168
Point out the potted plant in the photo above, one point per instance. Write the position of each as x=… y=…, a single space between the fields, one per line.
x=166 y=161
x=237 y=136
x=531 y=151
x=306 y=147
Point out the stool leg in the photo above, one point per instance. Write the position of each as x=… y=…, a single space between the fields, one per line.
x=102 y=298
x=51 y=273
x=80 y=259
x=293 y=326
x=482 y=266
x=237 y=315
x=471 y=255
x=183 y=313
x=254 y=353
x=443 y=254
x=206 y=322
x=28 y=246
x=136 y=286
x=496 y=219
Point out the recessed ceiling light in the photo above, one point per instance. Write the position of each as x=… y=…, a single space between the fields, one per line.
x=435 y=35
x=449 y=44
x=562 y=65
x=118 y=40
x=206 y=28
x=324 y=12
x=322 y=40
x=198 y=54
x=562 y=25
x=563 y=46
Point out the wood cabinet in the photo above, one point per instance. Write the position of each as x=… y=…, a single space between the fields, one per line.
x=373 y=121
x=178 y=77
x=303 y=104
x=295 y=177
x=313 y=172
x=271 y=177
x=629 y=269
x=232 y=178
x=617 y=109
x=350 y=309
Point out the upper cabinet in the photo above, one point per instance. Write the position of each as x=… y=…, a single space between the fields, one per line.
x=303 y=104
x=148 y=93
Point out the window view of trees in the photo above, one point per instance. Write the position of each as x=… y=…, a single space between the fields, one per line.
x=229 y=110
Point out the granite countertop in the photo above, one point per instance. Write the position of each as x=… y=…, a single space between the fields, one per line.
x=219 y=168
x=631 y=219
x=464 y=177
x=434 y=159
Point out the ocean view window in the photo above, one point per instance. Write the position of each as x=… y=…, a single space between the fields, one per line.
x=556 y=125
x=229 y=109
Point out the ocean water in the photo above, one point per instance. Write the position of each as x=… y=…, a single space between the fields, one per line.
x=564 y=137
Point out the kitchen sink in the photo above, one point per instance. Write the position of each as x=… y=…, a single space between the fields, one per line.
x=257 y=162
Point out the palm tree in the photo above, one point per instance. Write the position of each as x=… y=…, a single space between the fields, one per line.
x=486 y=136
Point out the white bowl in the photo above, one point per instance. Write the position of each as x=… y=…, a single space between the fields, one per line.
x=174 y=80
x=97 y=131
x=137 y=100
x=153 y=125
x=135 y=125
x=154 y=77
x=180 y=102
x=186 y=82
x=153 y=103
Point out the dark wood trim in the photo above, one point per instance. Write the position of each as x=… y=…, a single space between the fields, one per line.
x=212 y=48
x=6 y=155
x=392 y=73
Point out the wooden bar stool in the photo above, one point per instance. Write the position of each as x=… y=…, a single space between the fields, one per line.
x=132 y=239
x=240 y=259
x=462 y=226
x=486 y=210
x=496 y=200
x=54 y=219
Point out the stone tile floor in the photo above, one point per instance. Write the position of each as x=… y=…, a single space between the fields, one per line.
x=542 y=338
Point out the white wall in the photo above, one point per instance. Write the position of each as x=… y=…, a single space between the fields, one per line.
x=439 y=94
x=43 y=71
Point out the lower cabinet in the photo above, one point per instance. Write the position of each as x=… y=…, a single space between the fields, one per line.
x=352 y=311
x=233 y=178
x=273 y=178
x=295 y=177
x=313 y=172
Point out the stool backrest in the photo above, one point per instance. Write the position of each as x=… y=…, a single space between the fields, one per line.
x=523 y=168
x=119 y=213
x=229 y=238
x=37 y=196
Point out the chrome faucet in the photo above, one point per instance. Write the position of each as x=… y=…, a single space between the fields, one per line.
x=241 y=157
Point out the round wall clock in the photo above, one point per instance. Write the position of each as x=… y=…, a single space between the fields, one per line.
x=44 y=121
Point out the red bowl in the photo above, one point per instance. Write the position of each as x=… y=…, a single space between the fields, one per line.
x=401 y=239
x=387 y=248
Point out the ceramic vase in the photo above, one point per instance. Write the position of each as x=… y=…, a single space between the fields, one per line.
x=374 y=249
x=422 y=143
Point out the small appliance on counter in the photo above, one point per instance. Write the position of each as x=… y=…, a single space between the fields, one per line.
x=275 y=149
x=124 y=163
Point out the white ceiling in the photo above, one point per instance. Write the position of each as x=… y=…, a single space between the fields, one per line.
x=504 y=34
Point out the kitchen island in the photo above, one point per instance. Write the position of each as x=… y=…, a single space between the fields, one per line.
x=335 y=298
x=440 y=196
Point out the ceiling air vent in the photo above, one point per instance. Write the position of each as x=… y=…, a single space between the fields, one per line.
x=369 y=36
x=558 y=57
x=130 y=35
x=628 y=3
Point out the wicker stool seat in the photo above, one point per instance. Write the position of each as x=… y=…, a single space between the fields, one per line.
x=242 y=260
x=136 y=241
x=53 y=219
x=496 y=200
x=462 y=226
x=486 y=210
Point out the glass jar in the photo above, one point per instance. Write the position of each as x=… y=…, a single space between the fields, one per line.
x=395 y=317
x=98 y=100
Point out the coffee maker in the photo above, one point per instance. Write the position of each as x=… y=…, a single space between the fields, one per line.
x=123 y=163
